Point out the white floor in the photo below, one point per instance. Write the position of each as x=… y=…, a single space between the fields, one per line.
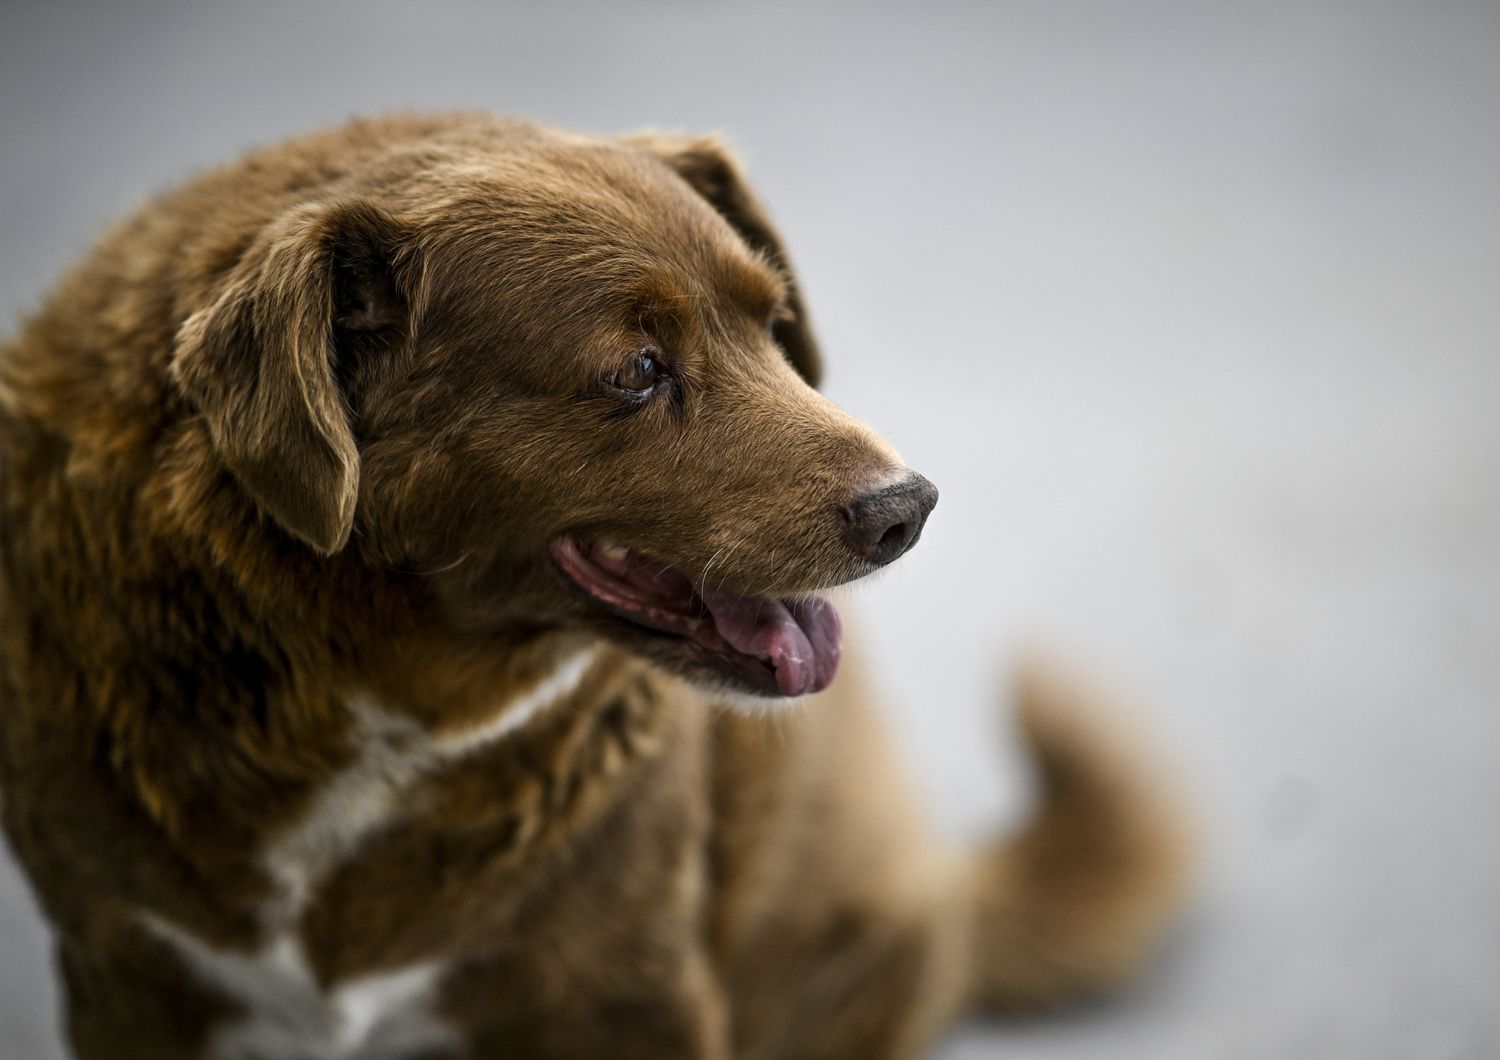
x=1193 y=316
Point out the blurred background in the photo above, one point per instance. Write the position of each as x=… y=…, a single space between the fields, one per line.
x=1192 y=311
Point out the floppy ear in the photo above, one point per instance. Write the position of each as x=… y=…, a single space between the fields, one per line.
x=259 y=361
x=714 y=173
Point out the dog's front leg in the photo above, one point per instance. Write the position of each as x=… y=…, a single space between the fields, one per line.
x=653 y=1012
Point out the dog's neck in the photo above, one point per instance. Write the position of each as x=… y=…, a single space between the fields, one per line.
x=205 y=679
x=299 y=680
x=331 y=766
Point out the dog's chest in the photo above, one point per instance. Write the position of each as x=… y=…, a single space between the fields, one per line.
x=286 y=1011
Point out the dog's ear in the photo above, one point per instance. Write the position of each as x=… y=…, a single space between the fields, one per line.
x=714 y=173
x=259 y=361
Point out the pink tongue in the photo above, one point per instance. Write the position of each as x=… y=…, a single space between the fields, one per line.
x=803 y=638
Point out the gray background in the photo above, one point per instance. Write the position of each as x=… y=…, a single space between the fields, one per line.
x=1193 y=315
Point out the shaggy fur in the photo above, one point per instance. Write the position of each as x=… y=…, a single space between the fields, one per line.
x=309 y=751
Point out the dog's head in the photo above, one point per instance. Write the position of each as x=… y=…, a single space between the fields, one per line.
x=570 y=383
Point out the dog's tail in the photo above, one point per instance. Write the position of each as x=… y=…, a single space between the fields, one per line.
x=1074 y=903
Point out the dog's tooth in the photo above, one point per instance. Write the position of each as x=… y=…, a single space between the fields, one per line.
x=611 y=550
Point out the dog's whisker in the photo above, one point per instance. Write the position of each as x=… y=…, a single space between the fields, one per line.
x=445 y=568
x=732 y=546
x=709 y=566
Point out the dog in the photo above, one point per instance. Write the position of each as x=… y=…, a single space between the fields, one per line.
x=408 y=532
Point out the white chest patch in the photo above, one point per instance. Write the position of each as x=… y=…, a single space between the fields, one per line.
x=394 y=751
x=379 y=1017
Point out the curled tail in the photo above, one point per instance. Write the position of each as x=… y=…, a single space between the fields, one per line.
x=1073 y=903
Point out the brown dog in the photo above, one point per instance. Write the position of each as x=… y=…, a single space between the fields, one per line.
x=387 y=518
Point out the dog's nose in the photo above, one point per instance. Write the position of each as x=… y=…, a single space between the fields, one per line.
x=883 y=524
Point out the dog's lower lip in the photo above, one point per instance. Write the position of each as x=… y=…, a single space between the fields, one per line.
x=775 y=646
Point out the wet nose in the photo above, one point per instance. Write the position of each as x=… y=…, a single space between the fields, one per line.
x=883 y=524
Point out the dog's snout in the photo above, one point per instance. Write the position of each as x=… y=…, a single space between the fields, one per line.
x=884 y=524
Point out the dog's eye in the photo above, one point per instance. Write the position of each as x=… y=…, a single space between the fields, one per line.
x=640 y=374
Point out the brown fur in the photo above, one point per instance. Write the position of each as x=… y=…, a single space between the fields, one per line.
x=301 y=431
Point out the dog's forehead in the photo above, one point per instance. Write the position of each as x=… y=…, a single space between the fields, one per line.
x=588 y=216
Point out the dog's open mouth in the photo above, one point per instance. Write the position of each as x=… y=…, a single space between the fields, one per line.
x=787 y=647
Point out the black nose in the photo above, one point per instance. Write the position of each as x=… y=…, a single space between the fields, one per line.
x=884 y=524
